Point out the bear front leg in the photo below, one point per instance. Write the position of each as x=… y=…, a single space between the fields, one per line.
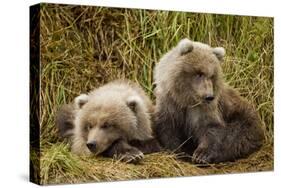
x=167 y=132
x=147 y=146
x=169 y=140
x=121 y=150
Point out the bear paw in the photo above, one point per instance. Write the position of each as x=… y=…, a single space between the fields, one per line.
x=205 y=153
x=132 y=156
x=204 y=156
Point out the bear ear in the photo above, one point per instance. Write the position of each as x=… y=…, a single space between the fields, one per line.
x=81 y=100
x=219 y=52
x=185 y=46
x=133 y=102
x=138 y=132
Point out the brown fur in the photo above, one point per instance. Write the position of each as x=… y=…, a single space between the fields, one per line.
x=107 y=119
x=196 y=112
x=64 y=120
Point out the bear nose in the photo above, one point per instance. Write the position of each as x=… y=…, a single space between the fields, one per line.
x=92 y=145
x=209 y=98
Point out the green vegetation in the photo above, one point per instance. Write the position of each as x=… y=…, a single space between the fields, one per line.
x=85 y=47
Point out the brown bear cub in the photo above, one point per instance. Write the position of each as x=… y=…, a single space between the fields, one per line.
x=197 y=113
x=113 y=121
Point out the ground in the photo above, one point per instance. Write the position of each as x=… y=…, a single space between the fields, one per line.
x=82 y=48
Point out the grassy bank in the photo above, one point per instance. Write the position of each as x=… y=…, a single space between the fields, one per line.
x=85 y=47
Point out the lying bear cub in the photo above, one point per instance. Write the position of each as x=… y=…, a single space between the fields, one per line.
x=197 y=113
x=113 y=121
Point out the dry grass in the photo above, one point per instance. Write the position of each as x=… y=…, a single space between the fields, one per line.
x=85 y=47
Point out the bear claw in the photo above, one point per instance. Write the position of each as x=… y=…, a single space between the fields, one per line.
x=133 y=157
x=203 y=156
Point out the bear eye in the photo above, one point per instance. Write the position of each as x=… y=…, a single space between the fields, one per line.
x=199 y=74
x=88 y=126
x=105 y=126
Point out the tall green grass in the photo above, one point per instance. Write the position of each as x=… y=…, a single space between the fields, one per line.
x=85 y=47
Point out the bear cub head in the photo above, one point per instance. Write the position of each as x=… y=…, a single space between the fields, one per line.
x=190 y=73
x=108 y=114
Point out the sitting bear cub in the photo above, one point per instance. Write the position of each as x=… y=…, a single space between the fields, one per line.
x=113 y=121
x=197 y=112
